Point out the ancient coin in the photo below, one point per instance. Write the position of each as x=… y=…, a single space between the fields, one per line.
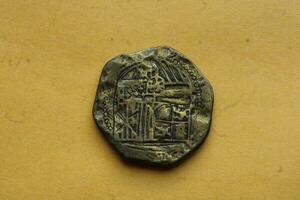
x=153 y=105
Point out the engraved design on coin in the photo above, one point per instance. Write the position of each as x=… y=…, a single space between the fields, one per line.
x=153 y=105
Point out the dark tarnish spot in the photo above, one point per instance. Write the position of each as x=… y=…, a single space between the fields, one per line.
x=234 y=104
x=15 y=118
x=247 y=40
x=218 y=133
x=204 y=5
x=279 y=169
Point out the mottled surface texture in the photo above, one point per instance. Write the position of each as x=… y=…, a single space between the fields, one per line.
x=153 y=105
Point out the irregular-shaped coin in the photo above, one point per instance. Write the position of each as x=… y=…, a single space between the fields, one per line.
x=153 y=105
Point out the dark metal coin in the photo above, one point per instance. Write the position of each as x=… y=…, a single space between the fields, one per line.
x=153 y=105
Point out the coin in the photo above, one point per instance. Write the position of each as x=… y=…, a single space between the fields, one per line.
x=153 y=105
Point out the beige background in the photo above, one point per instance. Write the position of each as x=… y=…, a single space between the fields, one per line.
x=51 y=56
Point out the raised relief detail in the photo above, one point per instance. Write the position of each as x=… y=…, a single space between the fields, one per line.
x=154 y=105
x=146 y=109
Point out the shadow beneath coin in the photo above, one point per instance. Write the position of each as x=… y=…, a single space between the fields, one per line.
x=153 y=166
x=149 y=165
x=160 y=166
x=128 y=162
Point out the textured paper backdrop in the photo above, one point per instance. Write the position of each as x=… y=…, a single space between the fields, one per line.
x=51 y=56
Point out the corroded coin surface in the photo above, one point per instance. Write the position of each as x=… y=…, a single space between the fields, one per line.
x=153 y=105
